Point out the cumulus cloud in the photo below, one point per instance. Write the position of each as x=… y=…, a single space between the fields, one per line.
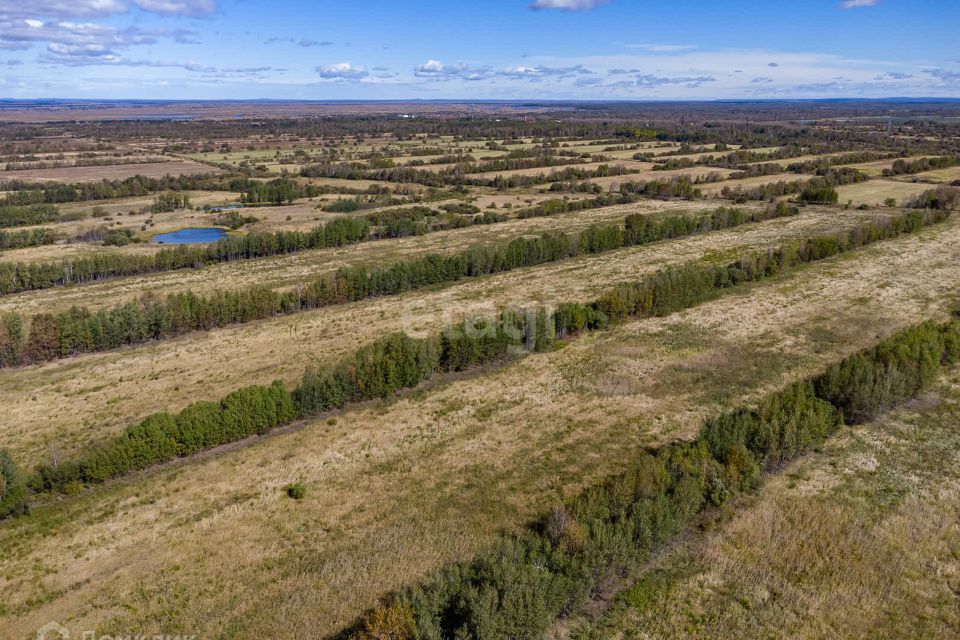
x=651 y=81
x=436 y=70
x=567 y=5
x=341 y=71
x=75 y=39
x=60 y=8
x=856 y=4
x=541 y=71
x=97 y=8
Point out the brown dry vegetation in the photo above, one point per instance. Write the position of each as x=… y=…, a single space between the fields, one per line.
x=64 y=403
x=290 y=269
x=398 y=487
x=113 y=172
x=861 y=540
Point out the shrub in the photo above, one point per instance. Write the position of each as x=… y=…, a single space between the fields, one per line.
x=296 y=490
x=13 y=490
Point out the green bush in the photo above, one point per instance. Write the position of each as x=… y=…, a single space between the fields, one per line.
x=13 y=490
x=297 y=490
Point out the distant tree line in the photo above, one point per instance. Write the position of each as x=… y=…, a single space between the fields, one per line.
x=818 y=189
x=905 y=167
x=28 y=238
x=79 y=330
x=26 y=276
x=12 y=215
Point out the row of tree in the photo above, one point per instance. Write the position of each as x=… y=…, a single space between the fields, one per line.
x=26 y=276
x=521 y=584
x=398 y=361
x=28 y=238
x=15 y=215
x=817 y=189
x=46 y=336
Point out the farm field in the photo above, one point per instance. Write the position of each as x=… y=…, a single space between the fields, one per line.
x=399 y=365
x=110 y=172
x=875 y=192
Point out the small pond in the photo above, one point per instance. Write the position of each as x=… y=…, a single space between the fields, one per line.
x=196 y=235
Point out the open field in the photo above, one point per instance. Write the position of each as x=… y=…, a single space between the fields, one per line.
x=715 y=188
x=296 y=532
x=288 y=270
x=947 y=175
x=110 y=172
x=484 y=453
x=875 y=192
x=206 y=365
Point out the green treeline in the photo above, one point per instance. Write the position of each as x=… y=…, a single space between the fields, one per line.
x=905 y=167
x=522 y=584
x=15 y=215
x=80 y=330
x=13 y=488
x=27 y=193
x=813 y=190
x=398 y=361
x=20 y=276
x=28 y=238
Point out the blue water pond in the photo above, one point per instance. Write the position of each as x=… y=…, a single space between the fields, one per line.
x=198 y=235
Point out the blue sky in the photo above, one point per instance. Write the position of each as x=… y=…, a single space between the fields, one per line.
x=484 y=49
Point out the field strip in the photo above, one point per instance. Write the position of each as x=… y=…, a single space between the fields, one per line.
x=290 y=269
x=403 y=486
x=59 y=404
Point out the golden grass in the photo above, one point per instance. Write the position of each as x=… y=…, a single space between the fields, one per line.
x=875 y=192
x=113 y=172
x=64 y=403
x=399 y=487
x=716 y=188
x=291 y=269
x=859 y=541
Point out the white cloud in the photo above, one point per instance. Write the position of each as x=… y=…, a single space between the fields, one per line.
x=341 y=71
x=90 y=8
x=60 y=8
x=856 y=4
x=436 y=70
x=567 y=5
x=178 y=7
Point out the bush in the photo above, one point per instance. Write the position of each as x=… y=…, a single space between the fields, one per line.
x=297 y=490
x=13 y=490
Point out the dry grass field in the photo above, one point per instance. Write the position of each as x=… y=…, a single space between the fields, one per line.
x=207 y=365
x=861 y=539
x=858 y=539
x=110 y=172
x=401 y=486
x=715 y=188
x=875 y=192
